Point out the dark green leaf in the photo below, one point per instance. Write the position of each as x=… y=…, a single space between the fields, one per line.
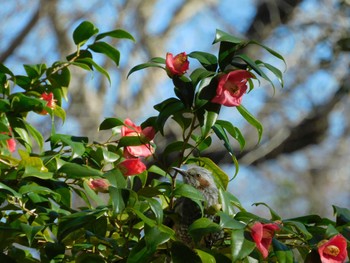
x=282 y=252
x=233 y=131
x=207 y=117
x=251 y=120
x=118 y=33
x=83 y=32
x=116 y=178
x=274 y=70
x=342 y=214
x=35 y=134
x=156 y=209
x=110 y=123
x=166 y=109
x=271 y=51
x=202 y=227
x=207 y=60
x=205 y=257
x=176 y=147
x=106 y=49
x=31 y=231
x=5 y=70
x=31 y=171
x=223 y=36
x=180 y=250
x=154 y=237
x=76 y=171
x=89 y=258
x=76 y=143
x=35 y=71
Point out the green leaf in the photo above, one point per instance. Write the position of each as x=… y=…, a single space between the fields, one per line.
x=207 y=60
x=156 y=209
x=9 y=189
x=251 y=120
x=186 y=190
x=76 y=171
x=342 y=215
x=152 y=64
x=223 y=36
x=35 y=134
x=180 y=250
x=176 y=147
x=166 y=109
x=240 y=247
x=202 y=227
x=220 y=132
x=31 y=171
x=233 y=131
x=282 y=252
x=119 y=198
x=116 y=178
x=205 y=257
x=83 y=32
x=226 y=221
x=110 y=123
x=31 y=231
x=154 y=237
x=199 y=74
x=271 y=51
x=23 y=134
x=6 y=70
x=106 y=49
x=118 y=33
x=60 y=113
x=274 y=215
x=89 y=258
x=209 y=118
x=255 y=67
x=77 y=144
x=92 y=63
x=274 y=70
x=35 y=71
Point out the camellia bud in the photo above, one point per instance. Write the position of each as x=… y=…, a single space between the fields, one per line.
x=176 y=66
x=99 y=185
x=51 y=102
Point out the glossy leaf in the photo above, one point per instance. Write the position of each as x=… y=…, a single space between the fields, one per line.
x=271 y=51
x=274 y=215
x=233 y=131
x=202 y=227
x=205 y=257
x=77 y=144
x=207 y=60
x=110 y=123
x=145 y=65
x=282 y=252
x=240 y=246
x=168 y=108
x=76 y=171
x=156 y=209
x=226 y=221
x=177 y=146
x=106 y=49
x=274 y=70
x=118 y=33
x=342 y=214
x=35 y=134
x=223 y=36
x=251 y=120
x=83 y=32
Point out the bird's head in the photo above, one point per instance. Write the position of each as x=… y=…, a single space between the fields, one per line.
x=201 y=179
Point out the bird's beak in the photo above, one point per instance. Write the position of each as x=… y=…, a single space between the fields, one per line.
x=181 y=171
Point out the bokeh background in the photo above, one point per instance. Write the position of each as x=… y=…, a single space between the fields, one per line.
x=303 y=162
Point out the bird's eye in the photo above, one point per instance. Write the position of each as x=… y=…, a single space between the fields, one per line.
x=198 y=175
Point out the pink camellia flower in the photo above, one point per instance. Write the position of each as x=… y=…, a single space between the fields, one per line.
x=132 y=166
x=176 y=66
x=51 y=102
x=262 y=235
x=333 y=250
x=231 y=88
x=99 y=185
x=145 y=150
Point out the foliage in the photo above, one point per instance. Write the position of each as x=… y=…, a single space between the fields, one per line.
x=123 y=216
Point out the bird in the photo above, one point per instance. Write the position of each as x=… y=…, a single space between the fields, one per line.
x=188 y=211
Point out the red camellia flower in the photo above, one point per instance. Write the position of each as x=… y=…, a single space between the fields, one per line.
x=11 y=145
x=231 y=88
x=51 y=102
x=176 y=66
x=262 y=235
x=132 y=166
x=145 y=150
x=333 y=250
x=99 y=185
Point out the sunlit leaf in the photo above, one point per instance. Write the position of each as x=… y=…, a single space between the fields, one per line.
x=83 y=32
x=251 y=120
x=240 y=246
x=118 y=33
x=106 y=49
x=207 y=60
